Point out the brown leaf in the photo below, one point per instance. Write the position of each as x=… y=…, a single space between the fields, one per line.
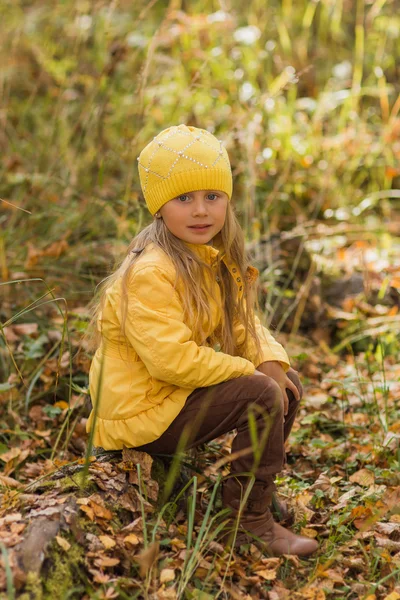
x=54 y=250
x=362 y=517
x=147 y=558
x=130 y=458
x=10 y=519
x=101 y=511
x=106 y=561
x=363 y=477
x=14 y=332
x=10 y=482
x=10 y=455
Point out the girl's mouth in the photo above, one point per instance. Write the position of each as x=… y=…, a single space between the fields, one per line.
x=199 y=227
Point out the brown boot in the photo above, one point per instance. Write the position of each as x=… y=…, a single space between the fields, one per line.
x=257 y=525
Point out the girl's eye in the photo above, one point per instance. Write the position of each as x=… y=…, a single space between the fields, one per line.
x=183 y=197
x=214 y=196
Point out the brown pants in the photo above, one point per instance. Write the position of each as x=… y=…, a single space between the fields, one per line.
x=252 y=405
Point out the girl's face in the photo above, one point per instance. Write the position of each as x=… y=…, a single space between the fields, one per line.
x=185 y=214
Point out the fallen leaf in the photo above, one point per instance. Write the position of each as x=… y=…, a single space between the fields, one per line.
x=10 y=519
x=10 y=455
x=130 y=459
x=14 y=332
x=106 y=561
x=62 y=404
x=147 y=558
x=308 y=532
x=362 y=517
x=363 y=477
x=101 y=511
x=167 y=575
x=65 y=545
x=44 y=434
x=132 y=539
x=10 y=482
x=88 y=510
x=107 y=541
x=267 y=574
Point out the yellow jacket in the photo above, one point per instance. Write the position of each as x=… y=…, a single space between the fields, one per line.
x=141 y=386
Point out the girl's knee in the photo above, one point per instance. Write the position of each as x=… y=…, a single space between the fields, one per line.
x=269 y=395
x=294 y=378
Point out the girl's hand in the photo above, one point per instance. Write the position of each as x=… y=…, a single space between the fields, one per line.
x=275 y=370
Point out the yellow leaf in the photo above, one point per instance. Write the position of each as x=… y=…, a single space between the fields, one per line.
x=167 y=575
x=62 y=404
x=106 y=561
x=43 y=434
x=363 y=477
x=392 y=596
x=63 y=543
x=132 y=539
x=88 y=511
x=100 y=511
x=395 y=519
x=107 y=541
x=308 y=532
x=267 y=574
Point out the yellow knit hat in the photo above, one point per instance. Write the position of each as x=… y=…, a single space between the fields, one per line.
x=182 y=159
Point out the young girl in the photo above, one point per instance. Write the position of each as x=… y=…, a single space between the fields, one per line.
x=182 y=358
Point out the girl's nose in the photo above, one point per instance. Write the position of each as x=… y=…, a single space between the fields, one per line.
x=200 y=209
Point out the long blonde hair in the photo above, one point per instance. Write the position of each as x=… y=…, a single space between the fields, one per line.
x=191 y=271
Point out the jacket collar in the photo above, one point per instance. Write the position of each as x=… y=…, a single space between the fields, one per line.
x=210 y=254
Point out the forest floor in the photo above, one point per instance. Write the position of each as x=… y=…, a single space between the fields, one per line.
x=92 y=528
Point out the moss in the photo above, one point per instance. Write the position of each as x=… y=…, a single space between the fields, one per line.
x=75 y=482
x=33 y=588
x=62 y=570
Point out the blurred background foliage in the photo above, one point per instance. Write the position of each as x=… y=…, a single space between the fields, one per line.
x=304 y=94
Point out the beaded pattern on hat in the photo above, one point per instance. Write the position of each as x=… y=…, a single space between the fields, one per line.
x=189 y=152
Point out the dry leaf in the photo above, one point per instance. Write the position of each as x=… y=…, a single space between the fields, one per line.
x=10 y=482
x=65 y=545
x=107 y=541
x=43 y=433
x=309 y=532
x=362 y=517
x=267 y=574
x=14 y=332
x=10 y=455
x=106 y=561
x=363 y=477
x=167 y=575
x=147 y=558
x=101 y=511
x=62 y=404
x=10 y=519
x=130 y=458
x=88 y=510
x=132 y=539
